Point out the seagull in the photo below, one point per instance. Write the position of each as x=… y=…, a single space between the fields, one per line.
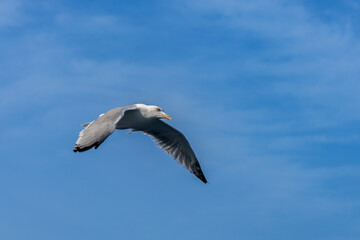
x=144 y=118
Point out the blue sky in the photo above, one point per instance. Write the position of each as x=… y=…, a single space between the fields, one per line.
x=267 y=93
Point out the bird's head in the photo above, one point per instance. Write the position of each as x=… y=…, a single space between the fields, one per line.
x=159 y=113
x=151 y=111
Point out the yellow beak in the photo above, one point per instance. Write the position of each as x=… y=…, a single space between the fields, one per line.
x=168 y=117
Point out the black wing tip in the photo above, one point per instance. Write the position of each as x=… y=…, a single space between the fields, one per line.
x=79 y=148
x=82 y=149
x=199 y=173
x=202 y=178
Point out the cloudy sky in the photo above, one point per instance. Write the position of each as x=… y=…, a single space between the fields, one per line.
x=267 y=93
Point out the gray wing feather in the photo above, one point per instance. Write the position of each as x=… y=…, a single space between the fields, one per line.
x=97 y=131
x=174 y=143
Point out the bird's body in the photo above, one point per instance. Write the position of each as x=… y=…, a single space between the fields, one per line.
x=141 y=117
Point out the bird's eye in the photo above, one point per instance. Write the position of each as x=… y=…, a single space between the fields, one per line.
x=158 y=109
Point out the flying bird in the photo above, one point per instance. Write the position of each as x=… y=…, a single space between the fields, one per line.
x=144 y=118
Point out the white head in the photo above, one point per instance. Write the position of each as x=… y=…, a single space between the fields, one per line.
x=151 y=111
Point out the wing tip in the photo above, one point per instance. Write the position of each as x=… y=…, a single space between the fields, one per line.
x=78 y=148
x=202 y=178
x=199 y=174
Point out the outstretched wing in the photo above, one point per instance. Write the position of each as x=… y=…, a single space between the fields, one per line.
x=97 y=131
x=174 y=143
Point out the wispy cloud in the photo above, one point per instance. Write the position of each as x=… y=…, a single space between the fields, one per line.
x=305 y=56
x=264 y=91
